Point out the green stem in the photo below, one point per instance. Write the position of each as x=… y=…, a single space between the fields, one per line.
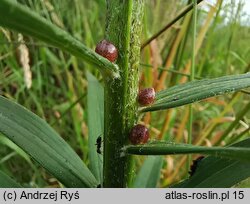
x=190 y=128
x=123 y=29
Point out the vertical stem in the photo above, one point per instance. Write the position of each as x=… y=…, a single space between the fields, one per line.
x=123 y=29
x=192 y=77
x=194 y=40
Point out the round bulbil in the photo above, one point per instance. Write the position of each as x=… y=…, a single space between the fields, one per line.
x=146 y=96
x=139 y=134
x=107 y=50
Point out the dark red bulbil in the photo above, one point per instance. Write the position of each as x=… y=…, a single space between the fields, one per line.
x=139 y=134
x=146 y=96
x=107 y=50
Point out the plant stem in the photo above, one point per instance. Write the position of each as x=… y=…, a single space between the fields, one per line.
x=123 y=29
x=190 y=128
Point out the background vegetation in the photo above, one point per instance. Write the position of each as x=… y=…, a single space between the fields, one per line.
x=53 y=84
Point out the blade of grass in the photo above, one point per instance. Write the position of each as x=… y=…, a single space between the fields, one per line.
x=7 y=157
x=149 y=173
x=41 y=142
x=77 y=111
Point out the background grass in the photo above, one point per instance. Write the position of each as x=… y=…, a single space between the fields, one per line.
x=59 y=86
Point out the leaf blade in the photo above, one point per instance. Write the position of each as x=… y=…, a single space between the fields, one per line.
x=197 y=90
x=228 y=171
x=149 y=173
x=167 y=148
x=95 y=99
x=41 y=142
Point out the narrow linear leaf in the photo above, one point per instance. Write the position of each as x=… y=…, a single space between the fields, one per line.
x=95 y=124
x=20 y=18
x=7 y=182
x=41 y=142
x=166 y=148
x=212 y=172
x=149 y=173
x=198 y=90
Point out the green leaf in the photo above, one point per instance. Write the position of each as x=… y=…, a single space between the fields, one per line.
x=197 y=90
x=149 y=173
x=22 y=19
x=167 y=148
x=214 y=172
x=95 y=124
x=7 y=182
x=41 y=142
